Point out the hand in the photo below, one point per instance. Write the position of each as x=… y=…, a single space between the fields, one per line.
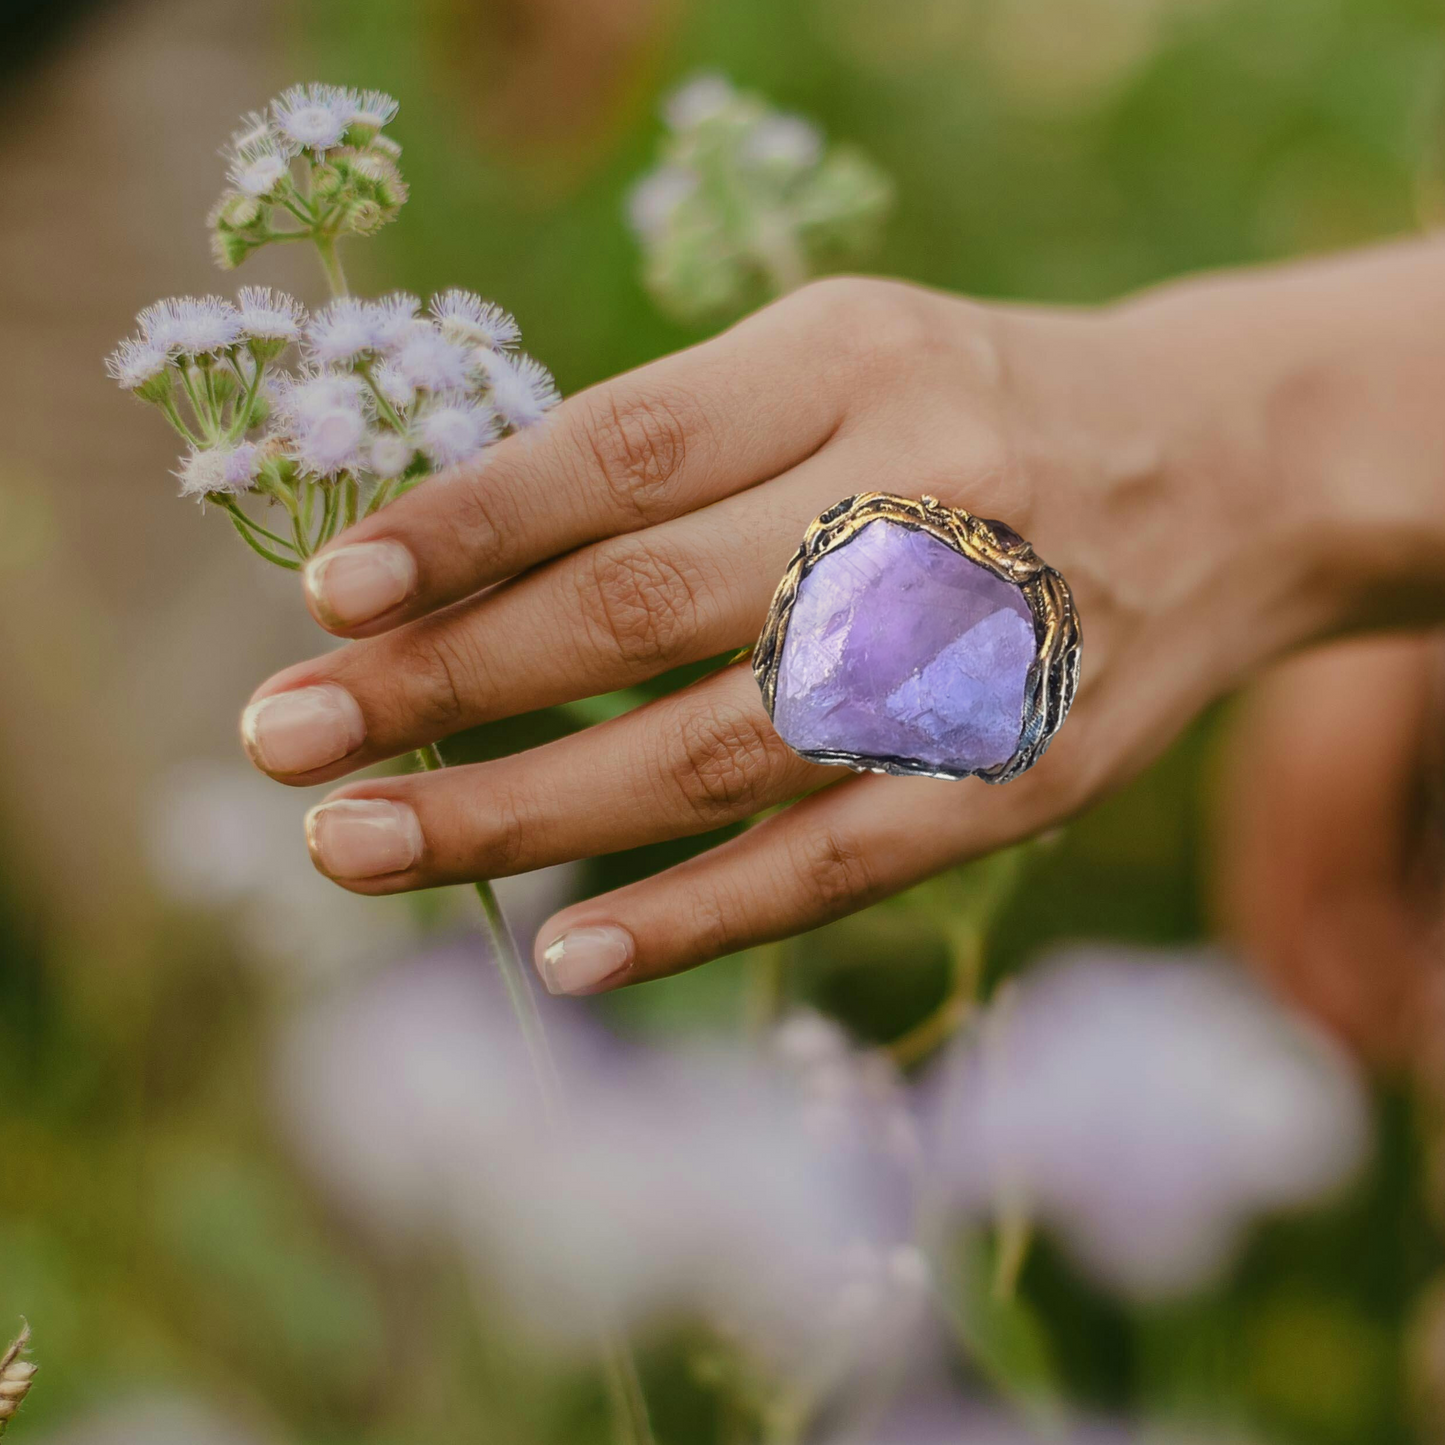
x=1330 y=844
x=647 y=527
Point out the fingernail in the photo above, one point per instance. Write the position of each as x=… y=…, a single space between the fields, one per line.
x=294 y=732
x=584 y=959
x=363 y=837
x=354 y=584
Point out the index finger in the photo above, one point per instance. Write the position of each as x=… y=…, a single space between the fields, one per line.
x=646 y=447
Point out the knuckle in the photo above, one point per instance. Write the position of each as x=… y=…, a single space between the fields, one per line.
x=642 y=605
x=727 y=762
x=878 y=325
x=712 y=924
x=837 y=875
x=640 y=444
x=440 y=671
x=509 y=839
x=473 y=514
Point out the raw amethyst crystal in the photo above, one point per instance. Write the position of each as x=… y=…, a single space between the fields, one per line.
x=899 y=647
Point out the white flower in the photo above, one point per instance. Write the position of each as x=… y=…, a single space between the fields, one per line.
x=391 y=455
x=456 y=430
x=788 y=142
x=258 y=163
x=427 y=360
x=299 y=399
x=464 y=316
x=393 y=319
x=136 y=361
x=372 y=109
x=270 y=315
x=700 y=99
x=391 y=384
x=520 y=389
x=223 y=470
x=312 y=117
x=256 y=131
x=343 y=333
x=330 y=440
x=191 y=325
x=653 y=201
x=1146 y=1108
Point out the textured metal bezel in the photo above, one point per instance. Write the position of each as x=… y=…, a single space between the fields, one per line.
x=1053 y=676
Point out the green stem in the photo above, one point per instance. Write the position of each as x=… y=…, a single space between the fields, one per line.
x=241 y=415
x=514 y=975
x=331 y=263
x=624 y=1387
x=240 y=521
x=966 y=956
x=199 y=410
x=173 y=415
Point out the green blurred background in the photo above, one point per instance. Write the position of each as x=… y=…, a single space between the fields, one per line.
x=153 y=1229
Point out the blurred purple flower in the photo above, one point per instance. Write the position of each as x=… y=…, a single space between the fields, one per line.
x=1146 y=1107
x=681 y=1183
x=153 y=1421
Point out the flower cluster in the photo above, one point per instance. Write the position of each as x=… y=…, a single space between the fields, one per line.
x=314 y=164
x=383 y=394
x=747 y=202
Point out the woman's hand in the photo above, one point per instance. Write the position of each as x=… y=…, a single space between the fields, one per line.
x=649 y=522
x=1330 y=845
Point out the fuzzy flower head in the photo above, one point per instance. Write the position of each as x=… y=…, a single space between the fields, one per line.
x=464 y=316
x=455 y=430
x=331 y=440
x=520 y=389
x=299 y=399
x=186 y=326
x=259 y=161
x=312 y=117
x=219 y=471
x=703 y=98
x=390 y=455
x=428 y=361
x=342 y=334
x=653 y=201
x=393 y=319
x=141 y=366
x=270 y=320
x=366 y=112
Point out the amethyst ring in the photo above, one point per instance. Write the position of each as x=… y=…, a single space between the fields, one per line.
x=913 y=638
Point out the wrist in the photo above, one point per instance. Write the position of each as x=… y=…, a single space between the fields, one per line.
x=1311 y=401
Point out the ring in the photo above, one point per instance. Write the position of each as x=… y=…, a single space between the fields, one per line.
x=916 y=639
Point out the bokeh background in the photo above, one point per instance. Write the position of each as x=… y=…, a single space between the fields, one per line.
x=186 y=1276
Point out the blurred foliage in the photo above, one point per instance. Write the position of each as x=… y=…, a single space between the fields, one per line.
x=1060 y=150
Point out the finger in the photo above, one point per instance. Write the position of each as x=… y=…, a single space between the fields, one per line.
x=649 y=446
x=829 y=855
x=604 y=618
x=1319 y=880
x=703 y=758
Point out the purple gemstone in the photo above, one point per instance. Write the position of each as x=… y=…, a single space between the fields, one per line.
x=899 y=647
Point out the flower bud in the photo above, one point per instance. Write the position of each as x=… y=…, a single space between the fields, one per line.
x=16 y=1376
x=236 y=210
